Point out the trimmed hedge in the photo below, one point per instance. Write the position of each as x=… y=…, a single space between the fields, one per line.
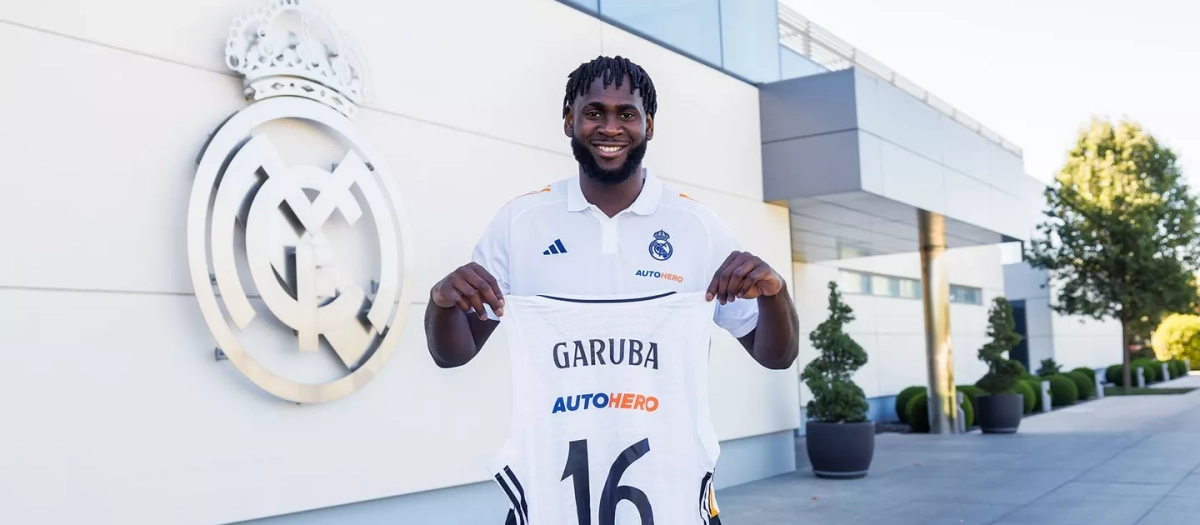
x=1090 y=373
x=1084 y=383
x=1036 y=386
x=971 y=392
x=918 y=412
x=1027 y=392
x=1151 y=367
x=902 y=400
x=1181 y=368
x=1063 y=391
x=1113 y=374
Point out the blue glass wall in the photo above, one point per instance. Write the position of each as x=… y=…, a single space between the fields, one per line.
x=740 y=37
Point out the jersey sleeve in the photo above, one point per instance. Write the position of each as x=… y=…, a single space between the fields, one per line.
x=491 y=252
x=741 y=316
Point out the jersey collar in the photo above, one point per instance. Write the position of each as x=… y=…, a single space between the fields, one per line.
x=645 y=204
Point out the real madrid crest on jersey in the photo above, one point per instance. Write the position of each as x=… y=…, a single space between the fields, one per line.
x=298 y=244
x=660 y=247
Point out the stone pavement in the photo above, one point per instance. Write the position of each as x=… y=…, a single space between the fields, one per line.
x=1117 y=461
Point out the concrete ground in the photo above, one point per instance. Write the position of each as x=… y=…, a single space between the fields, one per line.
x=1117 y=461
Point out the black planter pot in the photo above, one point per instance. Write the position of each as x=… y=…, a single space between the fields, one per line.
x=999 y=413
x=840 y=450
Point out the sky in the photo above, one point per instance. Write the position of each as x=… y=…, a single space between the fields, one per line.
x=1036 y=72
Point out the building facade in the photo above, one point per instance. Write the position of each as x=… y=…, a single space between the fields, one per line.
x=120 y=405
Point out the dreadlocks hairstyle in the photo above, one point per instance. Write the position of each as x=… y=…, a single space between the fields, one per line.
x=613 y=70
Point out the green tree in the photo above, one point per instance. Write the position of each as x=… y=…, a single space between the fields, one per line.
x=836 y=398
x=1178 y=337
x=1003 y=373
x=1120 y=236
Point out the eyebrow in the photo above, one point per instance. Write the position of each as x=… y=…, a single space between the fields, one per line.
x=620 y=107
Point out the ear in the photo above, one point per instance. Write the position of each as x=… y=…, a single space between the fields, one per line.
x=649 y=128
x=569 y=123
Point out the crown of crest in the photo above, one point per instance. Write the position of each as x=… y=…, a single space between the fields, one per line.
x=319 y=62
x=661 y=235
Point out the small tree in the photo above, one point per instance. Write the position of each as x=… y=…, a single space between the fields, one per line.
x=1003 y=373
x=836 y=398
x=1049 y=368
x=1121 y=236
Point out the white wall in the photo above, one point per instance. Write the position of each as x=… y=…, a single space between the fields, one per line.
x=1073 y=341
x=117 y=411
x=892 y=330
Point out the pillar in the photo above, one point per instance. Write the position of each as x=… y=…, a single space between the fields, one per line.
x=935 y=294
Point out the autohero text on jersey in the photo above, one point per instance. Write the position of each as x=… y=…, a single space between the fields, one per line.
x=593 y=353
x=602 y=400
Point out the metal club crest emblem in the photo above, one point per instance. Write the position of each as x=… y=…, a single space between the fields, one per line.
x=266 y=221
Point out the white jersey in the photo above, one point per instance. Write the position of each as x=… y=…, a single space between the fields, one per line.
x=610 y=411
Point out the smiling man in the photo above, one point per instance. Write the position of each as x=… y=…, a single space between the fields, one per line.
x=613 y=229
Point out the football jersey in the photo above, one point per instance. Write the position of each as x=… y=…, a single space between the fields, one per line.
x=610 y=420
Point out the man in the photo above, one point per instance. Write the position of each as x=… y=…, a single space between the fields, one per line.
x=592 y=231
x=612 y=229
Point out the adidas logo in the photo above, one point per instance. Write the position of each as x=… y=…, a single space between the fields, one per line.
x=555 y=248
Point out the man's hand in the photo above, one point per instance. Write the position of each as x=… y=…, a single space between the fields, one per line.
x=469 y=287
x=743 y=276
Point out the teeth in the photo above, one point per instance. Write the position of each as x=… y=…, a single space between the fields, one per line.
x=609 y=149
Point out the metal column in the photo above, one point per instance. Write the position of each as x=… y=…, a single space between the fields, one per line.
x=935 y=288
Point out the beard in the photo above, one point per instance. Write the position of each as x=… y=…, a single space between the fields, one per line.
x=609 y=177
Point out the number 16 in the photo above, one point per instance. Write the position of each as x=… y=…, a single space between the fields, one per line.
x=577 y=466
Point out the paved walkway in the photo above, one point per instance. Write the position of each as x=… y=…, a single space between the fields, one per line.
x=1129 y=460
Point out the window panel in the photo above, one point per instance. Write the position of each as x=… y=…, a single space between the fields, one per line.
x=750 y=39
x=691 y=26
x=590 y=6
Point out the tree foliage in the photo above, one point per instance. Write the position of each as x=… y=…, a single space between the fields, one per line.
x=1120 y=231
x=1003 y=373
x=836 y=398
x=1178 y=337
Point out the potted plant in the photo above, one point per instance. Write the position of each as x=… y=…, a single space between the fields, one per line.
x=1001 y=406
x=839 y=438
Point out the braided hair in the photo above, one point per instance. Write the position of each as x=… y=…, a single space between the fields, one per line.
x=612 y=70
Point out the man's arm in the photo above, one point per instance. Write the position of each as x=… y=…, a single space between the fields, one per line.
x=775 y=339
x=453 y=334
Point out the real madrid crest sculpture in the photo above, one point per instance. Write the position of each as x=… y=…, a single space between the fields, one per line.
x=298 y=243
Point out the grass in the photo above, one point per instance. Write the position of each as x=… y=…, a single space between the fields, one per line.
x=1134 y=391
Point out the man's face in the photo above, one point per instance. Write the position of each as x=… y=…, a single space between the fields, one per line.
x=609 y=131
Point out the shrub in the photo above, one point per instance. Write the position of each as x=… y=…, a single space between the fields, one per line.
x=1027 y=392
x=1086 y=384
x=1086 y=371
x=836 y=398
x=903 y=398
x=1003 y=373
x=1049 y=368
x=1177 y=336
x=1113 y=374
x=918 y=412
x=1035 y=385
x=1151 y=374
x=1063 y=391
x=1181 y=368
x=971 y=392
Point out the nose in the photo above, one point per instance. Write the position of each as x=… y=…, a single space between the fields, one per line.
x=611 y=127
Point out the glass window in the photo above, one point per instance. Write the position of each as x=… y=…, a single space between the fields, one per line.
x=590 y=6
x=881 y=285
x=965 y=295
x=795 y=65
x=910 y=289
x=691 y=26
x=750 y=39
x=854 y=282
